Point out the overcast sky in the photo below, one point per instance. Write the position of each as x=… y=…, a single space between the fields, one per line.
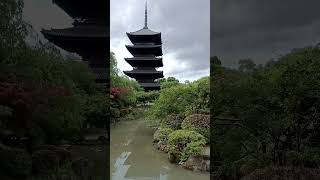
x=262 y=29
x=184 y=27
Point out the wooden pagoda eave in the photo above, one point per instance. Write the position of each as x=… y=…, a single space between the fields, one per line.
x=155 y=38
x=144 y=63
x=76 y=33
x=143 y=73
x=155 y=50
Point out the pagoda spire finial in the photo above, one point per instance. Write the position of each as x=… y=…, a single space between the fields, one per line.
x=146 y=15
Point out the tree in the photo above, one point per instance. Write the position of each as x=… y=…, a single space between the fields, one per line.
x=246 y=65
x=168 y=82
x=272 y=114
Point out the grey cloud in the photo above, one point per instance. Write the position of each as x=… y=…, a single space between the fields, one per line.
x=262 y=29
x=184 y=26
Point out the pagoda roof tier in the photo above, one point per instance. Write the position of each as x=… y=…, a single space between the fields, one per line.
x=78 y=42
x=84 y=9
x=145 y=35
x=140 y=50
x=145 y=62
x=150 y=86
x=93 y=31
x=144 y=74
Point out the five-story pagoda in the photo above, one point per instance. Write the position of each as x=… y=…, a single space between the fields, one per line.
x=147 y=52
x=89 y=36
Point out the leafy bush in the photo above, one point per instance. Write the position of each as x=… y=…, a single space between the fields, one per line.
x=172 y=121
x=114 y=112
x=193 y=148
x=186 y=143
x=172 y=100
x=162 y=135
x=168 y=82
x=199 y=123
x=182 y=99
x=144 y=97
x=97 y=110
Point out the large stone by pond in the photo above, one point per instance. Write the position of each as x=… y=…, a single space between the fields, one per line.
x=197 y=163
x=206 y=152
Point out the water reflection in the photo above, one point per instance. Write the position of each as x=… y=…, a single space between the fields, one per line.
x=133 y=157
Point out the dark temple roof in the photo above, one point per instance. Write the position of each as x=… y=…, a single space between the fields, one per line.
x=137 y=50
x=96 y=31
x=84 y=8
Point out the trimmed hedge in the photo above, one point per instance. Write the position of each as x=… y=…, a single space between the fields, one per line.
x=185 y=143
x=162 y=135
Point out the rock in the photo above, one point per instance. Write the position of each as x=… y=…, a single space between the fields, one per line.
x=81 y=168
x=206 y=153
x=197 y=163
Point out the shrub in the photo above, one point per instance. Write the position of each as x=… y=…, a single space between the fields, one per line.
x=162 y=135
x=186 y=143
x=172 y=121
x=144 y=97
x=193 y=148
x=97 y=110
x=199 y=123
x=115 y=112
x=172 y=100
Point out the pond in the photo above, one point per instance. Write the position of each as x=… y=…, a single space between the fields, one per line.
x=133 y=157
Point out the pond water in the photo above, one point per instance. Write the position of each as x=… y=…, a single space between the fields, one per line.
x=133 y=157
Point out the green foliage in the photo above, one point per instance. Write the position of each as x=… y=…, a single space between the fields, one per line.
x=162 y=135
x=168 y=82
x=270 y=111
x=125 y=92
x=172 y=121
x=193 y=148
x=182 y=100
x=114 y=112
x=199 y=123
x=97 y=110
x=172 y=100
x=186 y=143
x=144 y=97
